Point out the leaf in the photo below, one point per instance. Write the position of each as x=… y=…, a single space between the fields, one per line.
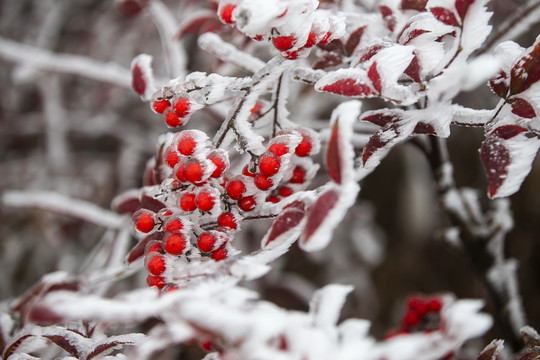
x=328 y=60
x=10 y=350
x=523 y=108
x=151 y=203
x=462 y=6
x=374 y=76
x=382 y=117
x=491 y=351
x=206 y=21
x=333 y=159
x=325 y=305
x=418 y=5
x=127 y=202
x=63 y=343
x=388 y=17
x=347 y=82
x=354 y=40
x=507 y=155
x=106 y=348
x=413 y=70
x=499 y=84
x=444 y=15
x=43 y=315
x=288 y=220
x=423 y=128
x=530 y=336
x=371 y=51
x=142 y=78
x=318 y=212
x=526 y=70
x=138 y=250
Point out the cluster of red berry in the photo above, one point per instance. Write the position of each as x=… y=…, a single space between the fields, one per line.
x=175 y=114
x=423 y=315
x=200 y=200
x=291 y=43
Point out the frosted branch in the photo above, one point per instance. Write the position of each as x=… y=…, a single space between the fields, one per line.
x=111 y=73
x=63 y=205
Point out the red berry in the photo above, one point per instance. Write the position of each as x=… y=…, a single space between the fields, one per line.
x=156 y=281
x=269 y=164
x=415 y=302
x=171 y=157
x=174 y=226
x=187 y=202
x=245 y=171
x=160 y=106
x=263 y=182
x=278 y=149
x=434 y=305
x=298 y=175
x=273 y=199
x=172 y=119
x=227 y=220
x=291 y=55
x=205 y=201
x=304 y=148
x=145 y=223
x=258 y=37
x=156 y=265
x=236 y=189
x=206 y=242
x=186 y=145
x=175 y=244
x=193 y=171
x=182 y=106
x=219 y=160
x=226 y=13
x=219 y=254
x=410 y=319
x=155 y=247
x=312 y=40
x=247 y=203
x=283 y=43
x=285 y=191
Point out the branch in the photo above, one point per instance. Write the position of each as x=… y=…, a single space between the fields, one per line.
x=63 y=205
x=111 y=73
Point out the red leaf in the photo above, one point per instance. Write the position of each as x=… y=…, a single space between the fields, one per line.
x=413 y=70
x=63 y=343
x=207 y=22
x=10 y=350
x=138 y=81
x=43 y=316
x=290 y=217
x=106 y=347
x=499 y=84
x=318 y=211
x=151 y=203
x=333 y=156
x=508 y=131
x=419 y=5
x=354 y=40
x=530 y=354
x=522 y=108
x=495 y=158
x=335 y=46
x=138 y=250
x=129 y=8
x=375 y=143
x=462 y=6
x=126 y=203
x=404 y=40
x=374 y=76
x=444 y=15
x=381 y=118
x=328 y=60
x=348 y=87
x=370 y=52
x=388 y=17
x=423 y=128
x=526 y=71
x=491 y=351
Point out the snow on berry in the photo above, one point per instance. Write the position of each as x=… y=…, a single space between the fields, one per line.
x=207 y=199
x=220 y=159
x=228 y=220
x=155 y=264
x=144 y=220
x=236 y=187
x=269 y=164
x=186 y=202
x=175 y=244
x=219 y=254
x=174 y=225
x=226 y=13
x=159 y=106
x=247 y=203
x=263 y=182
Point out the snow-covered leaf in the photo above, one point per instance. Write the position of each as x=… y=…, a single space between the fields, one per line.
x=347 y=82
x=287 y=224
x=142 y=77
x=326 y=304
x=491 y=351
x=418 y=5
x=526 y=71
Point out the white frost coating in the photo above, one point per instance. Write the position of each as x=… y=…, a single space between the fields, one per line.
x=229 y=53
x=57 y=203
x=144 y=62
x=522 y=153
x=64 y=63
x=326 y=304
x=476 y=27
x=347 y=114
x=470 y=117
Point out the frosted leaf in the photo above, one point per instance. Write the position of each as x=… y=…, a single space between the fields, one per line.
x=142 y=76
x=491 y=351
x=530 y=336
x=476 y=26
x=526 y=70
x=348 y=82
x=326 y=304
x=287 y=224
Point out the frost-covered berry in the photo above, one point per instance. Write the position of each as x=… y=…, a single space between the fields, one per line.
x=206 y=242
x=156 y=281
x=278 y=149
x=155 y=247
x=144 y=222
x=434 y=305
x=175 y=244
x=312 y=40
x=226 y=13
x=411 y=319
x=263 y=182
x=160 y=106
x=304 y=148
x=298 y=175
x=173 y=226
x=247 y=172
x=285 y=191
x=247 y=203
x=274 y=199
x=205 y=201
x=193 y=171
x=187 y=202
x=284 y=43
x=326 y=38
x=236 y=189
x=269 y=164
x=219 y=159
x=171 y=157
x=182 y=107
x=172 y=119
x=219 y=254
x=186 y=144
x=227 y=220
x=156 y=265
